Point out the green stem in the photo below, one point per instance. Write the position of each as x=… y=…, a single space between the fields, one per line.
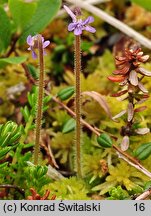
x=77 y=71
x=40 y=99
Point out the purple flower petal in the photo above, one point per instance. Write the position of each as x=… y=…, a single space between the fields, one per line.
x=78 y=31
x=90 y=29
x=90 y=19
x=42 y=39
x=46 y=43
x=33 y=44
x=34 y=55
x=78 y=25
x=44 y=52
x=29 y=40
x=72 y=26
x=71 y=14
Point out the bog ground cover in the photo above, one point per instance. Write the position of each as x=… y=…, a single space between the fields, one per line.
x=75 y=99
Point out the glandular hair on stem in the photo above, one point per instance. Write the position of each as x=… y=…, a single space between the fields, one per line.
x=39 y=112
x=77 y=71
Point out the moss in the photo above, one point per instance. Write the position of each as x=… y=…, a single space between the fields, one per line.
x=117 y=193
x=69 y=189
x=94 y=166
x=62 y=145
x=124 y=175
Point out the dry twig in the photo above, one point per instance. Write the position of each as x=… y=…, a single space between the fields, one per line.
x=144 y=195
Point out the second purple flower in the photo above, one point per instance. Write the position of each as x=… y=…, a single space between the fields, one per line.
x=33 y=44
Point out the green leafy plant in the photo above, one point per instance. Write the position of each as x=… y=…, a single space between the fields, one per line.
x=9 y=136
x=62 y=135
x=118 y=194
x=37 y=177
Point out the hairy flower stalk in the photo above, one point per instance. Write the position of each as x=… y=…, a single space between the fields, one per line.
x=77 y=26
x=37 y=43
x=77 y=70
x=40 y=99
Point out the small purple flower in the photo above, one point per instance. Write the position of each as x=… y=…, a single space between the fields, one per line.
x=33 y=44
x=78 y=25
